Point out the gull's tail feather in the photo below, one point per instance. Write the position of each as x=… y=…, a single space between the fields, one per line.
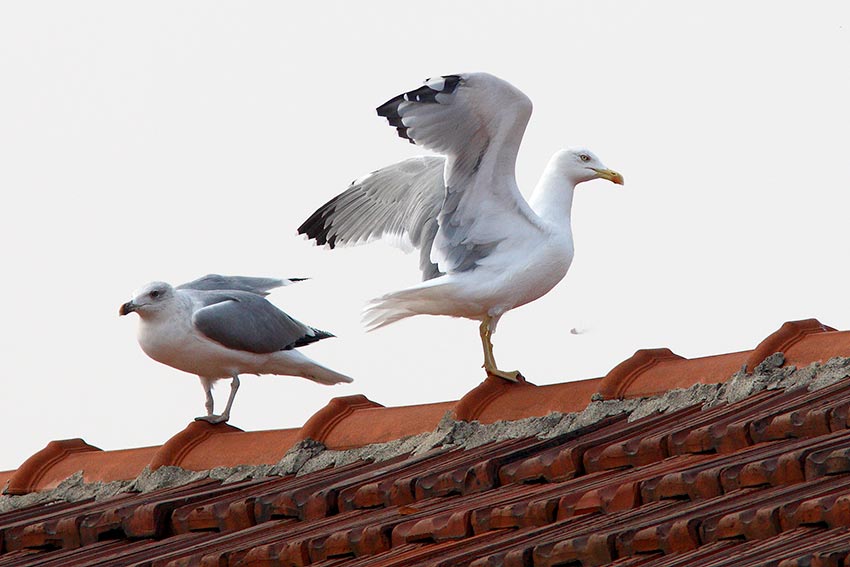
x=377 y=316
x=398 y=305
x=326 y=376
x=294 y=363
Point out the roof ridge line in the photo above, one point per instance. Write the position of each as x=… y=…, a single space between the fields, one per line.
x=453 y=434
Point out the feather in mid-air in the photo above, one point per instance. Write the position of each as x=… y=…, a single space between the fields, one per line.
x=221 y=327
x=484 y=250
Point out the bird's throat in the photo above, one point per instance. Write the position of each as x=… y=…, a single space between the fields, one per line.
x=552 y=199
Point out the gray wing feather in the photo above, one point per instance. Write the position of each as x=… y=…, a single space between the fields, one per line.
x=400 y=202
x=248 y=322
x=259 y=286
x=477 y=120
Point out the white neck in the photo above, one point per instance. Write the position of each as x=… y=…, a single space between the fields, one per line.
x=552 y=199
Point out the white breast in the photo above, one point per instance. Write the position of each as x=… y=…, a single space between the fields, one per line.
x=539 y=267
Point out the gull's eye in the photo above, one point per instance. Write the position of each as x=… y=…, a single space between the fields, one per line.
x=584 y=157
x=155 y=293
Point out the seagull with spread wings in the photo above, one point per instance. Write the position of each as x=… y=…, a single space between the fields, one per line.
x=223 y=326
x=484 y=250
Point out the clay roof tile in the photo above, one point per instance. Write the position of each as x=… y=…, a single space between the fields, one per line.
x=789 y=335
x=202 y=446
x=355 y=421
x=496 y=400
x=763 y=480
x=61 y=459
x=632 y=497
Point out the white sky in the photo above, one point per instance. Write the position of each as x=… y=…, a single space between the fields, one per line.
x=165 y=140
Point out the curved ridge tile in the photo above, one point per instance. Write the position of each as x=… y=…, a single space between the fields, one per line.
x=818 y=347
x=108 y=466
x=655 y=371
x=381 y=425
x=521 y=403
x=618 y=381
x=175 y=450
x=499 y=400
x=788 y=335
x=236 y=448
x=472 y=405
x=356 y=421
x=321 y=423
x=42 y=466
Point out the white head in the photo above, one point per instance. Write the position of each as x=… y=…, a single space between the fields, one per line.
x=151 y=299
x=580 y=165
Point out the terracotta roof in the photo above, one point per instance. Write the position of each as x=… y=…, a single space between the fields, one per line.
x=355 y=421
x=764 y=480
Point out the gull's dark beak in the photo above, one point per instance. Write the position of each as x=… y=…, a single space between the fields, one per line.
x=127 y=308
x=610 y=175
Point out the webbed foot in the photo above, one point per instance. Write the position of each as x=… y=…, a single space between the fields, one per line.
x=513 y=376
x=213 y=419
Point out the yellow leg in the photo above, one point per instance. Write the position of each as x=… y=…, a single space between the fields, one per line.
x=484 y=331
x=489 y=360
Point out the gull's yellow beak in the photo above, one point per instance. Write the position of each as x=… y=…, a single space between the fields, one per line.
x=610 y=175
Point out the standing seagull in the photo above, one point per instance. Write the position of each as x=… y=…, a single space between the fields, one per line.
x=222 y=326
x=484 y=250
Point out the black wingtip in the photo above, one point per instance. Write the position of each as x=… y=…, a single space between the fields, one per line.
x=425 y=94
x=317 y=228
x=389 y=109
x=317 y=335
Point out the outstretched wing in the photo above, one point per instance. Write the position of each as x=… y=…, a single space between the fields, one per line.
x=477 y=120
x=399 y=202
x=260 y=286
x=248 y=322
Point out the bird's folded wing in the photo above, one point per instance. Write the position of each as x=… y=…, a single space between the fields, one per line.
x=260 y=286
x=246 y=321
x=399 y=203
x=477 y=120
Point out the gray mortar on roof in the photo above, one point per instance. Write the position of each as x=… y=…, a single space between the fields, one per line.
x=308 y=456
